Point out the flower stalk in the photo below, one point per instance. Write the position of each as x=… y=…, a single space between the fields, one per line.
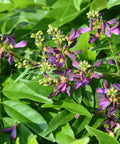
x=110 y=46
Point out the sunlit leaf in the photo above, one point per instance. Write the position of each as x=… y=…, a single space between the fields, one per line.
x=101 y=136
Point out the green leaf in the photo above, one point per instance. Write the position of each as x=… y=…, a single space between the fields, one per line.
x=29 y=89
x=77 y=4
x=112 y=3
x=84 y=140
x=66 y=135
x=76 y=108
x=26 y=114
x=17 y=140
x=88 y=97
x=22 y=75
x=62 y=12
x=22 y=131
x=98 y=5
x=60 y=119
x=6 y=6
x=32 y=139
x=101 y=136
x=83 y=44
x=12 y=22
x=80 y=123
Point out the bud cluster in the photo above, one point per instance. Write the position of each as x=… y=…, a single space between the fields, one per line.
x=56 y=35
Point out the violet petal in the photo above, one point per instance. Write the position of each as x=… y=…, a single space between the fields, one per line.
x=6 y=130
x=98 y=63
x=92 y=38
x=20 y=44
x=14 y=133
x=103 y=101
x=84 y=30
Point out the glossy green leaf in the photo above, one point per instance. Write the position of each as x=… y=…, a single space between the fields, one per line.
x=26 y=114
x=17 y=140
x=6 y=6
x=77 y=4
x=112 y=3
x=22 y=131
x=12 y=22
x=76 y=108
x=32 y=139
x=88 y=97
x=84 y=140
x=83 y=44
x=66 y=135
x=101 y=136
x=80 y=123
x=30 y=90
x=60 y=119
x=98 y=5
x=62 y=12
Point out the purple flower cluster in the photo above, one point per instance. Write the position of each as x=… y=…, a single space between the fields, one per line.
x=97 y=25
x=11 y=129
x=108 y=97
x=7 y=44
x=81 y=77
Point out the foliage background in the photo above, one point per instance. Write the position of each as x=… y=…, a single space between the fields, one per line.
x=36 y=115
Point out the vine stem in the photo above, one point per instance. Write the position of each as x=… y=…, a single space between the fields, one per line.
x=0 y=96
x=110 y=46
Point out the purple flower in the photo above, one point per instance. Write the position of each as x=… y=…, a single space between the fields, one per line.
x=2 y=52
x=107 y=96
x=110 y=62
x=84 y=30
x=13 y=43
x=108 y=30
x=73 y=37
x=10 y=57
x=11 y=129
x=85 y=73
x=74 y=34
x=63 y=85
x=92 y=38
x=5 y=49
x=103 y=100
x=98 y=63
x=73 y=54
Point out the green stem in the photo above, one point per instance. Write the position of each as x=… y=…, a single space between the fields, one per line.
x=110 y=46
x=111 y=74
x=0 y=97
x=28 y=60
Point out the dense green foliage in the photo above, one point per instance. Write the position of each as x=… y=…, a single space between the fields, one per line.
x=24 y=101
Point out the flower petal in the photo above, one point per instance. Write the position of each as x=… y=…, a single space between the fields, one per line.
x=63 y=88
x=103 y=101
x=6 y=130
x=51 y=94
x=74 y=34
x=110 y=62
x=116 y=86
x=14 y=133
x=92 y=38
x=78 y=84
x=20 y=44
x=75 y=64
x=108 y=33
x=77 y=52
x=84 y=30
x=98 y=63
x=115 y=31
x=68 y=90
x=97 y=75
x=106 y=86
x=112 y=21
